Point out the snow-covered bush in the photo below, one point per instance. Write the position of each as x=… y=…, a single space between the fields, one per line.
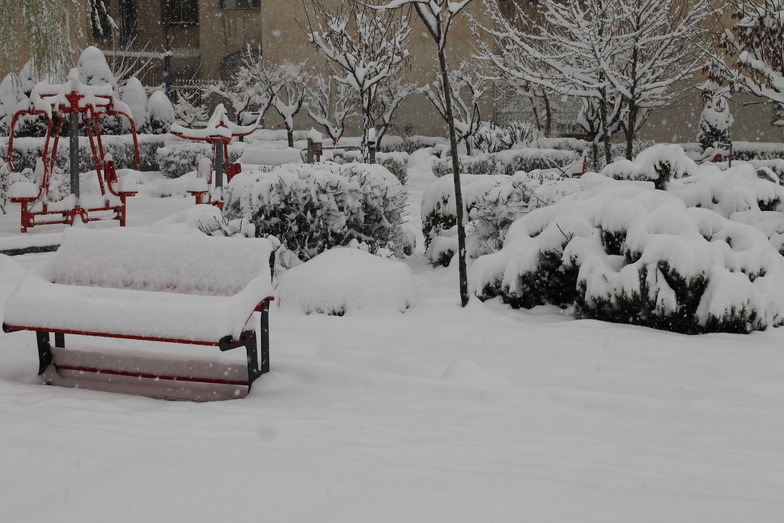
x=626 y=252
x=312 y=208
x=160 y=114
x=491 y=138
x=492 y=204
x=342 y=280
x=757 y=151
x=394 y=162
x=135 y=97
x=416 y=142
x=658 y=164
x=5 y=183
x=509 y=162
x=439 y=212
x=715 y=123
x=176 y=159
x=28 y=150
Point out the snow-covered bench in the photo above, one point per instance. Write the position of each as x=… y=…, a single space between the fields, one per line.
x=180 y=289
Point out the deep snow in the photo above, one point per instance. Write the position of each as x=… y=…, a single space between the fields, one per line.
x=436 y=414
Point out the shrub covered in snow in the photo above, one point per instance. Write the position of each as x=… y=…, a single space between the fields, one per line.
x=509 y=162
x=135 y=97
x=342 y=280
x=394 y=162
x=626 y=252
x=312 y=208
x=27 y=151
x=658 y=164
x=492 y=204
x=491 y=138
x=160 y=114
x=715 y=123
x=178 y=158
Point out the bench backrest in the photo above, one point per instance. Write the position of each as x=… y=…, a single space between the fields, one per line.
x=159 y=262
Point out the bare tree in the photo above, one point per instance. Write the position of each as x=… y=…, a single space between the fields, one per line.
x=255 y=84
x=564 y=48
x=438 y=17
x=661 y=42
x=366 y=46
x=330 y=104
x=288 y=94
x=467 y=89
x=389 y=98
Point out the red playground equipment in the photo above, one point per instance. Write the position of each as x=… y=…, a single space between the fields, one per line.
x=208 y=188
x=73 y=100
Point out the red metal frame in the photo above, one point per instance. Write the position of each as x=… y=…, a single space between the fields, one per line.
x=232 y=169
x=107 y=176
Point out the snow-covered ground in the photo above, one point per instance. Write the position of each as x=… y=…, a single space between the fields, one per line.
x=436 y=414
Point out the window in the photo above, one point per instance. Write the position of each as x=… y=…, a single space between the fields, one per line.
x=240 y=4
x=129 y=20
x=180 y=12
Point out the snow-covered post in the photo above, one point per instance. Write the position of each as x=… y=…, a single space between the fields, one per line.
x=315 y=146
x=438 y=17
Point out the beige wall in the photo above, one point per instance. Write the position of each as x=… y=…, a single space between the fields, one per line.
x=279 y=27
x=14 y=58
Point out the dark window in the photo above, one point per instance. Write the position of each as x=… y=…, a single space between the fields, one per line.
x=180 y=12
x=240 y=4
x=129 y=20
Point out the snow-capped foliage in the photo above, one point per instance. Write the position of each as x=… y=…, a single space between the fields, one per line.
x=160 y=113
x=93 y=69
x=492 y=204
x=135 y=97
x=658 y=164
x=753 y=61
x=312 y=208
x=176 y=159
x=491 y=138
x=509 y=162
x=715 y=123
x=343 y=280
x=701 y=257
x=395 y=162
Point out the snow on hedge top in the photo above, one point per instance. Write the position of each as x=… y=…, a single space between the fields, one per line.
x=658 y=164
x=344 y=279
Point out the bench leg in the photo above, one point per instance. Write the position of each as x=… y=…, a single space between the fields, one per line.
x=265 y=363
x=44 y=351
x=251 y=346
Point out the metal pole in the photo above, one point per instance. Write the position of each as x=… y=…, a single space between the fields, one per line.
x=73 y=150
x=220 y=150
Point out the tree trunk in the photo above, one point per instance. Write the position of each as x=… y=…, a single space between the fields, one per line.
x=450 y=120
x=548 y=115
x=631 y=123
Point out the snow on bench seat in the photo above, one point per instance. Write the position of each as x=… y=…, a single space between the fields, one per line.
x=158 y=286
